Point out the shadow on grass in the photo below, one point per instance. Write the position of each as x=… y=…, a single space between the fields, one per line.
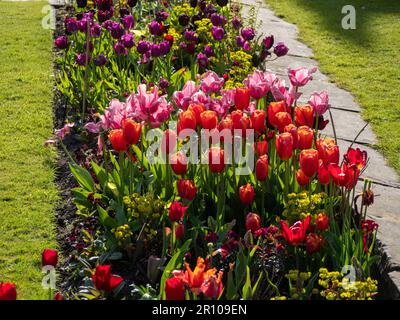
x=330 y=16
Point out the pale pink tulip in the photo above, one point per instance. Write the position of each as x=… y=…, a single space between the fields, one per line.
x=301 y=76
x=320 y=102
x=211 y=82
x=257 y=84
x=182 y=98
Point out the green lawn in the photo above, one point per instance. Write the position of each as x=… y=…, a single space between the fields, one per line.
x=27 y=190
x=364 y=61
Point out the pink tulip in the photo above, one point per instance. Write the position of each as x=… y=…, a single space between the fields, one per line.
x=116 y=112
x=301 y=76
x=149 y=107
x=211 y=82
x=182 y=98
x=257 y=84
x=61 y=133
x=93 y=127
x=279 y=91
x=320 y=102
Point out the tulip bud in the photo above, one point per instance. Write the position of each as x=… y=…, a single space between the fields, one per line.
x=176 y=211
x=242 y=98
x=253 y=222
x=49 y=257
x=246 y=194
x=262 y=168
x=284 y=145
x=322 y=221
x=117 y=140
x=178 y=163
x=131 y=131
x=262 y=147
x=309 y=162
x=301 y=178
x=305 y=137
x=313 y=243
x=209 y=119
x=179 y=231
x=216 y=160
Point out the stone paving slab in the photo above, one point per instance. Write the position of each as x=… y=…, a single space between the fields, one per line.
x=348 y=122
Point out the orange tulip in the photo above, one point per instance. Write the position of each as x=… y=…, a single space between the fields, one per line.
x=197 y=109
x=273 y=109
x=282 y=120
x=305 y=137
x=187 y=120
x=309 y=162
x=258 y=120
x=328 y=151
x=209 y=119
x=131 y=130
x=292 y=129
x=242 y=98
x=304 y=116
x=284 y=145
x=117 y=140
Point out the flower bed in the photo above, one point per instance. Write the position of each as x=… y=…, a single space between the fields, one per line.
x=199 y=176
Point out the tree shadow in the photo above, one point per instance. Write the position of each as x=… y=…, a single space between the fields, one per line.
x=330 y=12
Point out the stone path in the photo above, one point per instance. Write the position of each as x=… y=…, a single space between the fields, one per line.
x=348 y=123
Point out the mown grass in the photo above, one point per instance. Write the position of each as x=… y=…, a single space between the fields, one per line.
x=364 y=61
x=27 y=190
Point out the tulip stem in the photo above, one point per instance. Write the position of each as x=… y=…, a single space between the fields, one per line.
x=287 y=167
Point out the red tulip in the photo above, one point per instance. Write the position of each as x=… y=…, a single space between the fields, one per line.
x=8 y=291
x=186 y=189
x=296 y=233
x=282 y=119
x=328 y=151
x=262 y=168
x=356 y=157
x=197 y=109
x=226 y=123
x=262 y=147
x=273 y=109
x=117 y=140
x=258 y=120
x=131 y=131
x=174 y=289
x=176 y=211
x=304 y=116
x=209 y=119
x=178 y=163
x=338 y=175
x=179 y=231
x=323 y=174
x=168 y=141
x=322 y=221
x=302 y=178
x=284 y=145
x=292 y=129
x=186 y=120
x=246 y=194
x=309 y=162
x=49 y=257
x=58 y=296
x=253 y=222
x=242 y=98
x=216 y=160
x=104 y=280
x=241 y=121
x=352 y=173
x=313 y=243
x=305 y=137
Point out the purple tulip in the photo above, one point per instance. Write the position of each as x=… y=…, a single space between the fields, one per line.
x=123 y=12
x=202 y=60
x=165 y=47
x=143 y=46
x=61 y=42
x=71 y=25
x=217 y=20
x=155 y=50
x=183 y=20
x=236 y=22
x=128 y=22
x=248 y=33
x=162 y=15
x=120 y=49
x=239 y=41
x=128 y=40
x=81 y=3
x=104 y=4
x=246 y=46
x=101 y=60
x=83 y=24
x=163 y=84
x=191 y=36
x=104 y=15
x=116 y=30
x=208 y=51
x=268 y=42
x=81 y=59
x=95 y=30
x=217 y=33
x=155 y=28
x=280 y=49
